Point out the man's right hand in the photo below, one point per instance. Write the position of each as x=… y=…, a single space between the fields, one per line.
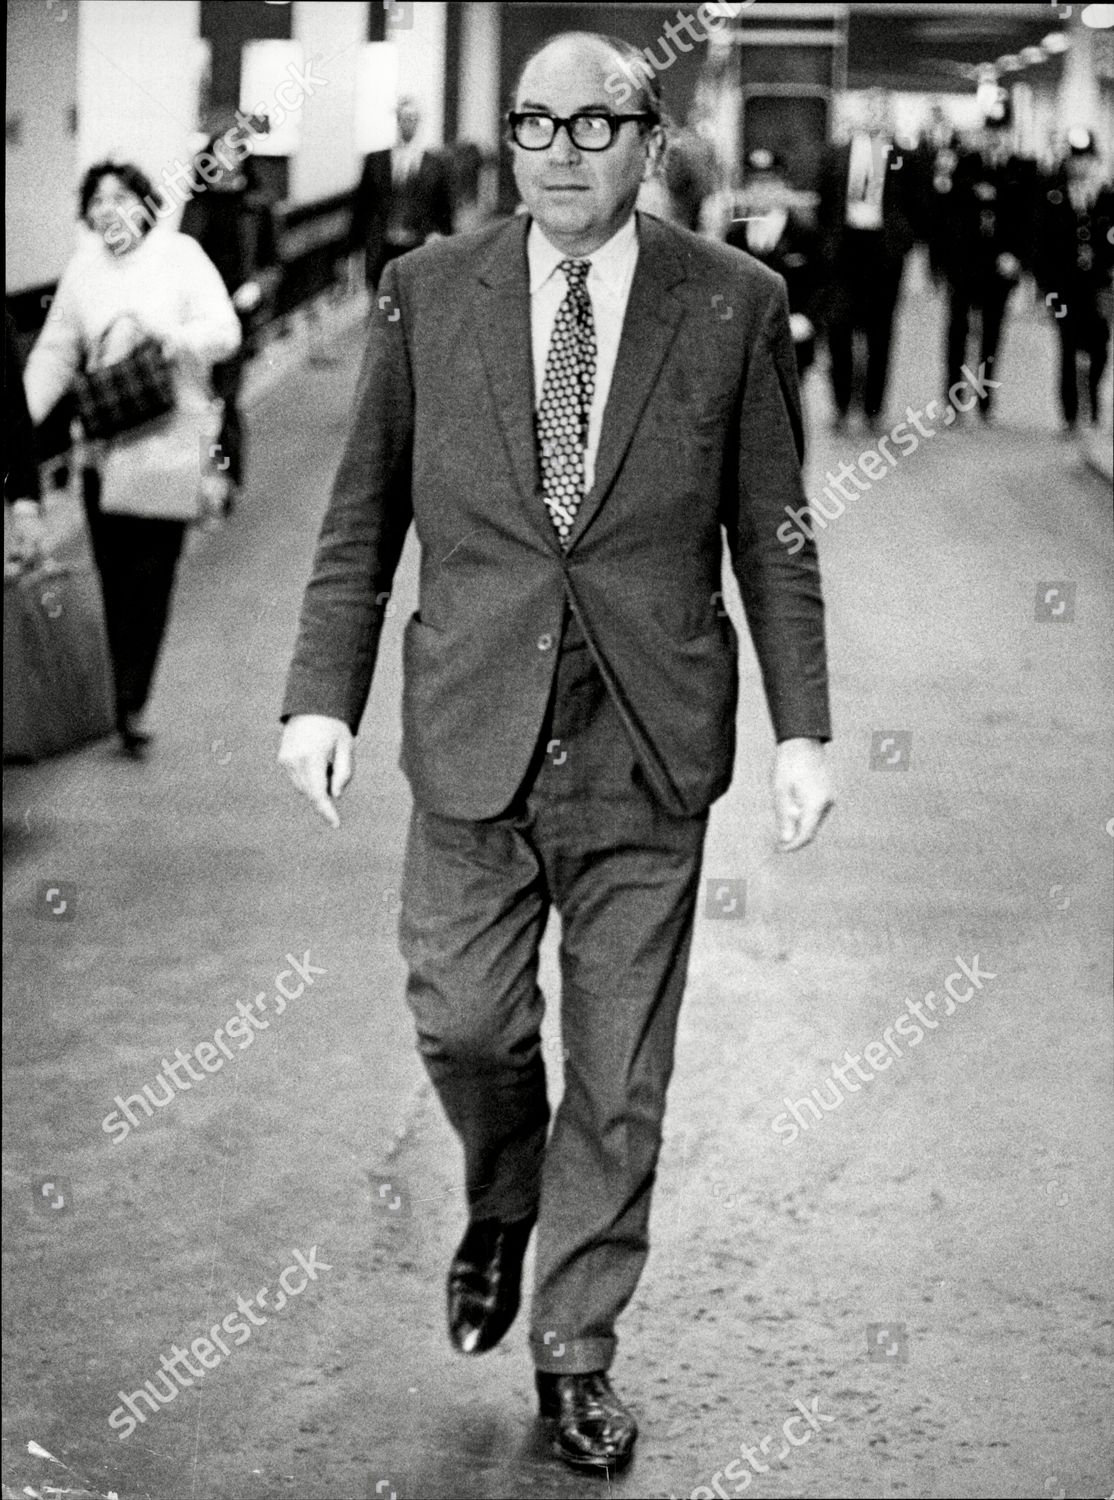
x=317 y=754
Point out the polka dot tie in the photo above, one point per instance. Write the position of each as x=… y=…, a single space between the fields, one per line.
x=562 y=419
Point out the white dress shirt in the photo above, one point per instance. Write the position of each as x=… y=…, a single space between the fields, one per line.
x=866 y=178
x=609 y=282
x=406 y=158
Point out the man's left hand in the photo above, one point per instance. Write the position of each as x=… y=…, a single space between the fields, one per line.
x=802 y=792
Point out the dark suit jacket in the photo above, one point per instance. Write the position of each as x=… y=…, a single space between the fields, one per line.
x=1075 y=253
x=898 y=211
x=429 y=201
x=701 y=437
x=796 y=258
x=21 y=482
x=983 y=217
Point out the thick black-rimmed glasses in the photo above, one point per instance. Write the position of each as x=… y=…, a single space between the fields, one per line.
x=587 y=132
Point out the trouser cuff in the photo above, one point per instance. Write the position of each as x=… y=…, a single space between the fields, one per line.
x=574 y=1357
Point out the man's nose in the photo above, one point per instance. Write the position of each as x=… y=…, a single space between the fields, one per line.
x=562 y=150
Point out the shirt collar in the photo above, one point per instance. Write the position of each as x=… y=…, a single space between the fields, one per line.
x=611 y=263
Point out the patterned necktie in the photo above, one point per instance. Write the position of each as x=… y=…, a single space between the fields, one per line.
x=562 y=420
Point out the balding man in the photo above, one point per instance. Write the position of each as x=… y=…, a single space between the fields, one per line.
x=561 y=408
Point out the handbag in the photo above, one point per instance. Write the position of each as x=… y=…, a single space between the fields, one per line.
x=58 y=685
x=120 y=397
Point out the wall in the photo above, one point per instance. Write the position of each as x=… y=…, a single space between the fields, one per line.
x=41 y=166
x=137 y=83
x=480 y=103
x=327 y=162
x=421 y=52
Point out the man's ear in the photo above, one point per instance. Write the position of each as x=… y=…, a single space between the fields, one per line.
x=655 y=152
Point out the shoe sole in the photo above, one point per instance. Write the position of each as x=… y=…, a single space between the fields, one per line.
x=591 y=1465
x=580 y=1460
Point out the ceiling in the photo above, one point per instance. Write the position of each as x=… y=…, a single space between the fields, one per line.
x=922 y=47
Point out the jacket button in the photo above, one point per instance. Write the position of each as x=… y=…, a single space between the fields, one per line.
x=545 y=642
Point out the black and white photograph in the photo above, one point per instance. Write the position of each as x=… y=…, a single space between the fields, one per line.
x=558 y=622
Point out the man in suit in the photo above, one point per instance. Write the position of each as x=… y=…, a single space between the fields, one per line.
x=981 y=246
x=1075 y=269
x=558 y=407
x=866 y=233
x=774 y=230
x=404 y=196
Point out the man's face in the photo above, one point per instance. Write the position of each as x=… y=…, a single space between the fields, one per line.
x=579 y=198
x=408 y=117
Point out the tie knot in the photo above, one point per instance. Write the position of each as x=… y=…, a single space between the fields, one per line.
x=576 y=273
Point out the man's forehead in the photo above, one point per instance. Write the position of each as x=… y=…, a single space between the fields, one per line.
x=579 y=66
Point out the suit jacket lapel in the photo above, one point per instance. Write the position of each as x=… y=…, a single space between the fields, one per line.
x=653 y=313
x=503 y=327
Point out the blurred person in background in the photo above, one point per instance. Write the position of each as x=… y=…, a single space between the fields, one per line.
x=982 y=233
x=23 y=519
x=774 y=228
x=866 y=233
x=677 y=191
x=233 y=223
x=131 y=280
x=471 y=180
x=403 y=198
x=1074 y=260
x=934 y=161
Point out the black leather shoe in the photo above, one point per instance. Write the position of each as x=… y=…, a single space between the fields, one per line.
x=592 y=1427
x=484 y=1282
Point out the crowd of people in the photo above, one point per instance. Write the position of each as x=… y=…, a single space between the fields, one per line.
x=987 y=217
x=839 y=233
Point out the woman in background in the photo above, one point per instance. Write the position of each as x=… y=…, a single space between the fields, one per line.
x=132 y=280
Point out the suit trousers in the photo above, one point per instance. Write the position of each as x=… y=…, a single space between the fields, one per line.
x=867 y=282
x=137 y=561
x=989 y=293
x=584 y=836
x=227 y=378
x=1084 y=336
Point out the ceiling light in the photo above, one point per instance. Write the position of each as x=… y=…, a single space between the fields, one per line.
x=1055 y=42
x=1098 y=17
